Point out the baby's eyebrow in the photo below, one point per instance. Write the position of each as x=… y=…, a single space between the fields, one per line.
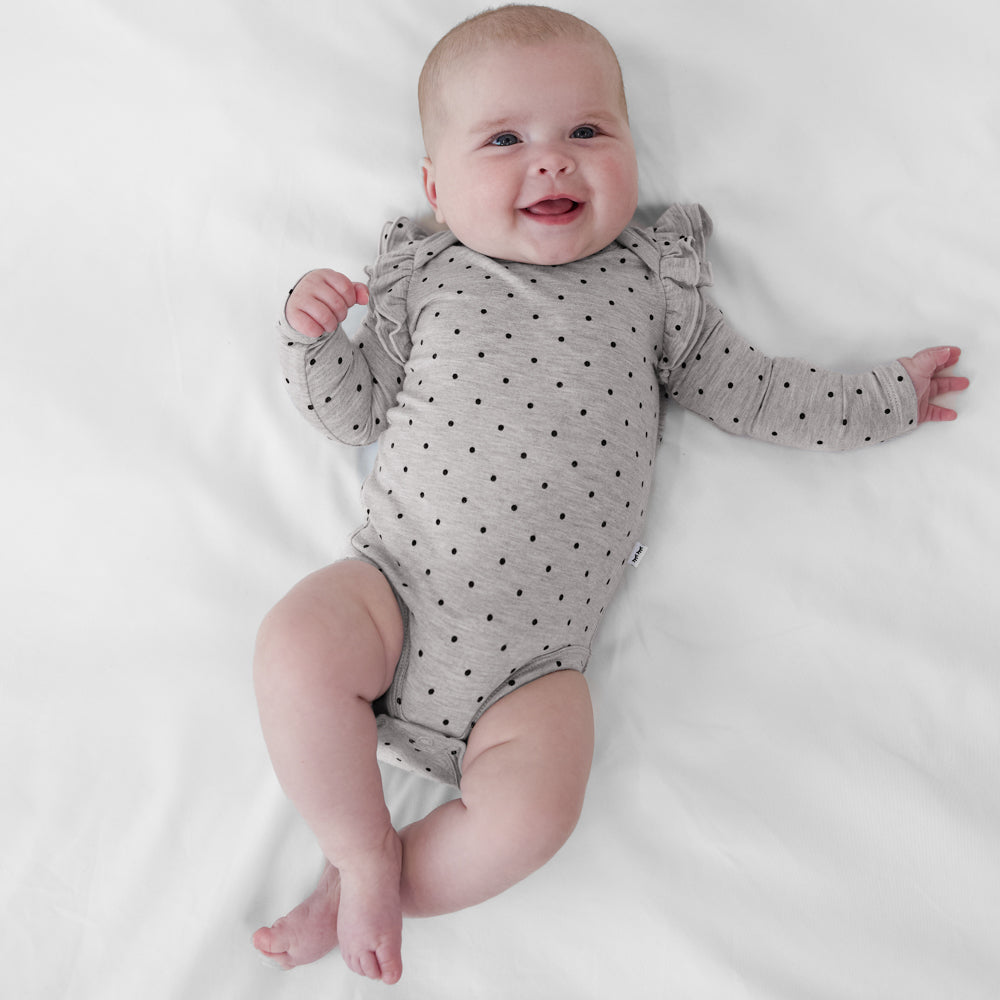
x=491 y=125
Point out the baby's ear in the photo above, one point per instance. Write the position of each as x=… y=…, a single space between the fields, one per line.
x=430 y=187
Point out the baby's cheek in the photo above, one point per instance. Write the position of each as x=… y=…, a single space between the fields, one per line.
x=624 y=188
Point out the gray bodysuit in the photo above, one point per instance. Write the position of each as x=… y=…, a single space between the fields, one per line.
x=517 y=413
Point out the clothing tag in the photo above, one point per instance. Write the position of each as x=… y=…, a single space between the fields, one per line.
x=637 y=553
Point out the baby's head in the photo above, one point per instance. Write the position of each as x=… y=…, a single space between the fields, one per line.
x=529 y=152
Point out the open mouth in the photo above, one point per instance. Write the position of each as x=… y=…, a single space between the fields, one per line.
x=554 y=210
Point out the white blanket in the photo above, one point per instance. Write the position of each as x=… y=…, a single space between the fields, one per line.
x=796 y=791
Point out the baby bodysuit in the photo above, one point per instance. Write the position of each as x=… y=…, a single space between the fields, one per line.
x=516 y=407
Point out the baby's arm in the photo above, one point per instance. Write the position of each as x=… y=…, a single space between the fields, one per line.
x=717 y=374
x=343 y=387
x=924 y=368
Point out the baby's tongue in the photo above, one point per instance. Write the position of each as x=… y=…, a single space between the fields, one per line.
x=553 y=206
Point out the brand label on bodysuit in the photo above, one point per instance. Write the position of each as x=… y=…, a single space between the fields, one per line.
x=637 y=553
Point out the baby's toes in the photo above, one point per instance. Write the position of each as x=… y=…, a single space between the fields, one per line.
x=385 y=963
x=273 y=947
x=390 y=965
x=380 y=965
x=369 y=965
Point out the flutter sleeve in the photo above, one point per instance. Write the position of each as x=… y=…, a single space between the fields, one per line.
x=712 y=371
x=345 y=386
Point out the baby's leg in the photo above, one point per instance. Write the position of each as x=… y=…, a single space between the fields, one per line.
x=324 y=653
x=524 y=776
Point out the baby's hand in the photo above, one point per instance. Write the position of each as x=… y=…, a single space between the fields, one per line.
x=319 y=302
x=923 y=369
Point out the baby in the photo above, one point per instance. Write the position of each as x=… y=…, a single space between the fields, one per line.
x=511 y=368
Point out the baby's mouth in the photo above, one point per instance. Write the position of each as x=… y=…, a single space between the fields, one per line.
x=553 y=206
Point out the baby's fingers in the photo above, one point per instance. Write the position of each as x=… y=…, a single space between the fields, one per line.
x=935 y=412
x=939 y=386
x=948 y=383
x=339 y=292
x=933 y=359
x=319 y=303
x=313 y=316
x=310 y=321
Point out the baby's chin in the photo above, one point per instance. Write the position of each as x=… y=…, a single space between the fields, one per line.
x=547 y=242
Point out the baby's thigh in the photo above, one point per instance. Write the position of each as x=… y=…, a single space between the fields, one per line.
x=529 y=756
x=342 y=622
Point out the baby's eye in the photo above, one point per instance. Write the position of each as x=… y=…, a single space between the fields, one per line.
x=504 y=139
x=584 y=132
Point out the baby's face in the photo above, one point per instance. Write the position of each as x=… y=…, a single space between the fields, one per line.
x=532 y=157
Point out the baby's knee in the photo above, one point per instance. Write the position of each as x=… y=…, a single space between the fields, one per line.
x=288 y=647
x=528 y=762
x=536 y=816
x=327 y=630
x=290 y=634
x=542 y=828
x=554 y=822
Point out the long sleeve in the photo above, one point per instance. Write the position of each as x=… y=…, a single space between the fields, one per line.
x=345 y=387
x=712 y=371
x=783 y=400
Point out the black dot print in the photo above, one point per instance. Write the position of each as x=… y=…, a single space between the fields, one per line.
x=515 y=464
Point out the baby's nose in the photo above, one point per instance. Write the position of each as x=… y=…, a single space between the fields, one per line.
x=554 y=161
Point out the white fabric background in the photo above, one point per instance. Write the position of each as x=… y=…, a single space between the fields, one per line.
x=795 y=792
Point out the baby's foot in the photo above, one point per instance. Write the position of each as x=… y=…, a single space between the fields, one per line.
x=370 y=919
x=309 y=931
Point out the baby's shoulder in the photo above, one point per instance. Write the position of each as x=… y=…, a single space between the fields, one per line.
x=678 y=243
x=400 y=235
x=405 y=237
x=689 y=220
x=404 y=248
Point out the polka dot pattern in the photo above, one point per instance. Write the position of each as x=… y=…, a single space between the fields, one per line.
x=516 y=409
x=783 y=400
x=513 y=473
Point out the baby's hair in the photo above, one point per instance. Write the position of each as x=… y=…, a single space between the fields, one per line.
x=513 y=24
